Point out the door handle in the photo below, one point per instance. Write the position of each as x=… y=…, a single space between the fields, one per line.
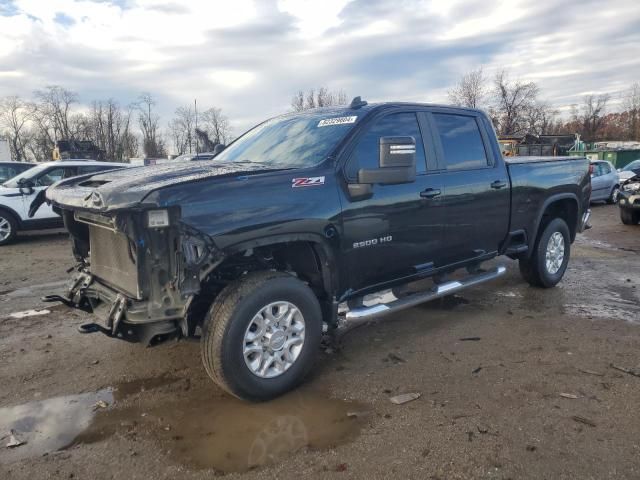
x=430 y=193
x=498 y=184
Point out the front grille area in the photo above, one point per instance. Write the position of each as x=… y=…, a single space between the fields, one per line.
x=112 y=260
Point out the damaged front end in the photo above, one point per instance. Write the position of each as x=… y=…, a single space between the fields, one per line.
x=138 y=271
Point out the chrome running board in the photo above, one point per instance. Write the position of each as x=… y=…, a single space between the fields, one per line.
x=439 y=290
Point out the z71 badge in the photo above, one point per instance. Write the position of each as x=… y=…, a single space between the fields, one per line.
x=307 y=182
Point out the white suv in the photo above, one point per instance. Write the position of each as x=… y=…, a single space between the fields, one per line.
x=17 y=194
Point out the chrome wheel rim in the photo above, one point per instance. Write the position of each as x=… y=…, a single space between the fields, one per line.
x=274 y=339
x=555 y=253
x=614 y=195
x=5 y=228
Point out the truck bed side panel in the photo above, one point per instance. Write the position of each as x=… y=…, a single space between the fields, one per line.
x=535 y=184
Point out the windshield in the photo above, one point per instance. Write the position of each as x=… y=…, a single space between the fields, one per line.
x=290 y=142
x=28 y=174
x=632 y=166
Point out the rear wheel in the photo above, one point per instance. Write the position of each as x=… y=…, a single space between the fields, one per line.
x=261 y=335
x=629 y=217
x=8 y=227
x=550 y=257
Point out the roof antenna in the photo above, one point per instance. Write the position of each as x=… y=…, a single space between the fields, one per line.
x=357 y=102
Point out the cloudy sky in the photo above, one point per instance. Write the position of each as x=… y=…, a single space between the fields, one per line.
x=249 y=57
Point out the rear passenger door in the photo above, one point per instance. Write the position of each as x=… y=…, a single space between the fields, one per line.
x=476 y=186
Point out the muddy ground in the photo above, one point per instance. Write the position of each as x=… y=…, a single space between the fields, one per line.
x=532 y=394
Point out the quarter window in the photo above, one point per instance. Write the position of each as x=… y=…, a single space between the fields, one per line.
x=367 y=154
x=461 y=141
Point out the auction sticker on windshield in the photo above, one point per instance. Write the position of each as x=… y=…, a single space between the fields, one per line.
x=327 y=122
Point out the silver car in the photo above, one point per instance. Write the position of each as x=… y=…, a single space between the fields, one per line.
x=605 y=183
x=629 y=171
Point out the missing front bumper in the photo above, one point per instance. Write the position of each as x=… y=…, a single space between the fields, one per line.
x=121 y=316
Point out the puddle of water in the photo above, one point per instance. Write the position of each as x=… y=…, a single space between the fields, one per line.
x=202 y=430
x=47 y=425
x=230 y=435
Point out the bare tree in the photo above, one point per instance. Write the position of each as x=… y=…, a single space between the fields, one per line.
x=632 y=106
x=15 y=115
x=513 y=101
x=148 y=120
x=591 y=116
x=540 y=118
x=216 y=125
x=297 y=101
x=181 y=130
x=323 y=98
x=110 y=129
x=470 y=91
x=55 y=103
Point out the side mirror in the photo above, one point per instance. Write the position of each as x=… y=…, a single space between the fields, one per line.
x=397 y=162
x=218 y=148
x=26 y=186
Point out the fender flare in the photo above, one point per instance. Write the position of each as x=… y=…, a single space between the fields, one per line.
x=325 y=248
x=552 y=199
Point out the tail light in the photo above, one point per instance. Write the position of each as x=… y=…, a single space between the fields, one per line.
x=591 y=169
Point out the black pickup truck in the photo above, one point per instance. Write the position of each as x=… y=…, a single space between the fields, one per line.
x=285 y=232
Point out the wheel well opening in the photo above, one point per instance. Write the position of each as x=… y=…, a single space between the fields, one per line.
x=299 y=258
x=567 y=209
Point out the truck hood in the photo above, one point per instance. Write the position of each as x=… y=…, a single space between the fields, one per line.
x=128 y=187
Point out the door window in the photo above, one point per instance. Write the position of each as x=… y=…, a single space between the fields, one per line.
x=367 y=153
x=52 y=176
x=598 y=169
x=461 y=141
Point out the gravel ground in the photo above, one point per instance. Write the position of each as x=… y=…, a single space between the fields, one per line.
x=532 y=394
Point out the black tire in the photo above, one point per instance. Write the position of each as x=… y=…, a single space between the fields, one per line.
x=628 y=217
x=534 y=269
x=7 y=220
x=613 y=196
x=229 y=318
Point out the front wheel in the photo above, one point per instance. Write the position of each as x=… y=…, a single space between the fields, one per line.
x=550 y=257
x=261 y=335
x=613 y=196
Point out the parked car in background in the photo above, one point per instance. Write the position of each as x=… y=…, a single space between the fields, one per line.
x=630 y=170
x=605 y=183
x=629 y=203
x=9 y=170
x=17 y=194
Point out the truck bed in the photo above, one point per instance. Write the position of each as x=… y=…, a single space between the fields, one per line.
x=538 y=181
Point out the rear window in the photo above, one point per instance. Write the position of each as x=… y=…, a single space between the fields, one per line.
x=461 y=141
